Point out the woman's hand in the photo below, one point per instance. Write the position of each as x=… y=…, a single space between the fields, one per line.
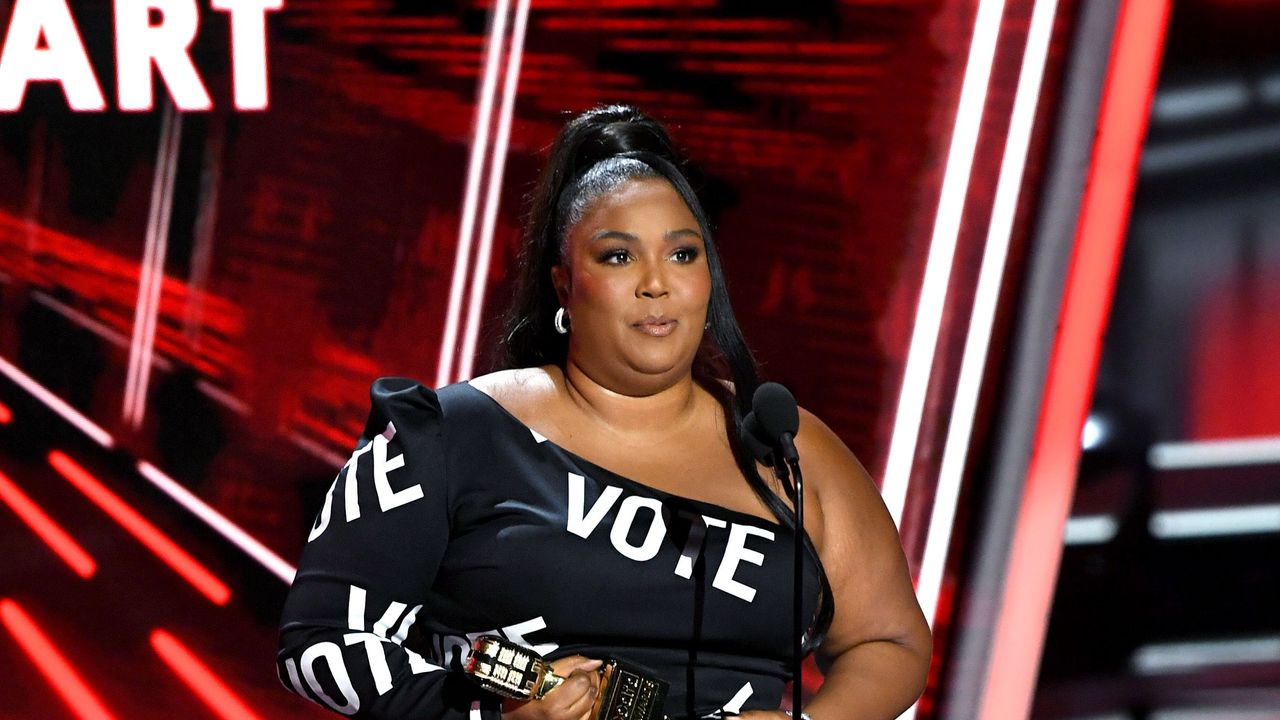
x=570 y=700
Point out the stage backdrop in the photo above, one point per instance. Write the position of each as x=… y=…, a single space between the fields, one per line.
x=194 y=303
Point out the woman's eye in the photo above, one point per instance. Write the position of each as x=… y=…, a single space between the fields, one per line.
x=614 y=257
x=685 y=255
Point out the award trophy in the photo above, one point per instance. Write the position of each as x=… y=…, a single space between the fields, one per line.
x=514 y=671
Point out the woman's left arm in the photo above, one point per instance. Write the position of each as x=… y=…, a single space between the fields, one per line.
x=879 y=638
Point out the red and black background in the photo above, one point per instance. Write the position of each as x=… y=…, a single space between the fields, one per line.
x=193 y=305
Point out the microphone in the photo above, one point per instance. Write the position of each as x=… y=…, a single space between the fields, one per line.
x=778 y=416
x=753 y=436
x=772 y=424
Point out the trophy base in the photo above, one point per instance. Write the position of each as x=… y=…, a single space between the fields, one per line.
x=629 y=693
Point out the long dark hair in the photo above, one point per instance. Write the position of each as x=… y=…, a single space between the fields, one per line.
x=617 y=136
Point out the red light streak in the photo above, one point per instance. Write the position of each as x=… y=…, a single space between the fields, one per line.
x=49 y=531
x=146 y=533
x=799 y=48
x=6 y=415
x=785 y=69
x=819 y=91
x=55 y=668
x=372 y=21
x=398 y=40
x=713 y=25
x=420 y=54
x=554 y=77
x=197 y=676
x=617 y=4
x=102 y=281
x=1050 y=484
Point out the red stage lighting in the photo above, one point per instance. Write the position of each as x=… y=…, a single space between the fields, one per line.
x=208 y=686
x=55 y=668
x=157 y=542
x=49 y=531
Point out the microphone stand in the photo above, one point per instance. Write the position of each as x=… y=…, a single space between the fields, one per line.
x=789 y=457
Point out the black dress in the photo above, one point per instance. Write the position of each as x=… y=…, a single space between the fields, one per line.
x=452 y=518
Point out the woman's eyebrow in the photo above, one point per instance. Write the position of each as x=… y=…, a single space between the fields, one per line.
x=682 y=232
x=614 y=235
x=628 y=237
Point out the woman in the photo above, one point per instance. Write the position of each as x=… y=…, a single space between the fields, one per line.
x=593 y=499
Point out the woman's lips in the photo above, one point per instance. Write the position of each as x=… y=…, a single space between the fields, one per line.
x=656 y=326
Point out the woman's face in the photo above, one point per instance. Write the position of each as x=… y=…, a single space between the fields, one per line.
x=635 y=284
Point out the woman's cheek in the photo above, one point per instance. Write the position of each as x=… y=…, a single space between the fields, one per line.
x=701 y=290
x=600 y=290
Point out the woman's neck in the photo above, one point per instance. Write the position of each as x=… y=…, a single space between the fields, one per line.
x=631 y=412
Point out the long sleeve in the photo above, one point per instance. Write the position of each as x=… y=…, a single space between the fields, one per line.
x=369 y=561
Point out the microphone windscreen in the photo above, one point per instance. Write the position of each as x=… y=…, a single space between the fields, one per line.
x=754 y=438
x=775 y=409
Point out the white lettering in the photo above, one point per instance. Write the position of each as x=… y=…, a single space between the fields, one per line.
x=291 y=668
x=356 y=610
x=419 y=664
x=139 y=44
x=63 y=59
x=249 y=49
x=403 y=631
x=377 y=659
x=388 y=618
x=579 y=524
x=735 y=704
x=622 y=527
x=454 y=650
x=735 y=552
x=583 y=522
x=516 y=634
x=390 y=499
x=333 y=655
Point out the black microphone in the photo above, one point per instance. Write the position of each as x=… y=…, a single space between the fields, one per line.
x=778 y=417
x=773 y=423
x=755 y=439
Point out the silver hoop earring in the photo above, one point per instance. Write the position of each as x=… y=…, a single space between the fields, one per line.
x=561 y=327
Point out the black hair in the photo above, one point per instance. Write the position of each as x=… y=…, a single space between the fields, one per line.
x=593 y=154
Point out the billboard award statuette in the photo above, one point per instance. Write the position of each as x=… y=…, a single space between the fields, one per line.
x=514 y=671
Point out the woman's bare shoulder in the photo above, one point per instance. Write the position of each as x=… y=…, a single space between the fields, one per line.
x=521 y=390
x=862 y=552
x=829 y=461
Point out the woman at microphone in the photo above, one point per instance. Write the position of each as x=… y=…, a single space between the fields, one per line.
x=595 y=498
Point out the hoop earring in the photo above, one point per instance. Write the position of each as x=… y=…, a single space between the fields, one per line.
x=559 y=322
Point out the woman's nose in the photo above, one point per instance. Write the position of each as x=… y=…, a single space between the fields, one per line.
x=653 y=282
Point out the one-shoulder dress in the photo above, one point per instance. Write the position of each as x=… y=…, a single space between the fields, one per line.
x=452 y=518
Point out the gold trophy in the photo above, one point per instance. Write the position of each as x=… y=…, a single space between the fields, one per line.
x=514 y=671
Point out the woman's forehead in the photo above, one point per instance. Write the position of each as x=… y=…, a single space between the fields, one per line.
x=649 y=202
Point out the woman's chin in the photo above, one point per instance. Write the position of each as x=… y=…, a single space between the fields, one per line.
x=660 y=364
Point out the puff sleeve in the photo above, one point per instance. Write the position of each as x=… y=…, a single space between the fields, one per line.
x=370 y=559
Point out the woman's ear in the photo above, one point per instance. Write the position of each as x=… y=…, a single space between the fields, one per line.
x=560 y=281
